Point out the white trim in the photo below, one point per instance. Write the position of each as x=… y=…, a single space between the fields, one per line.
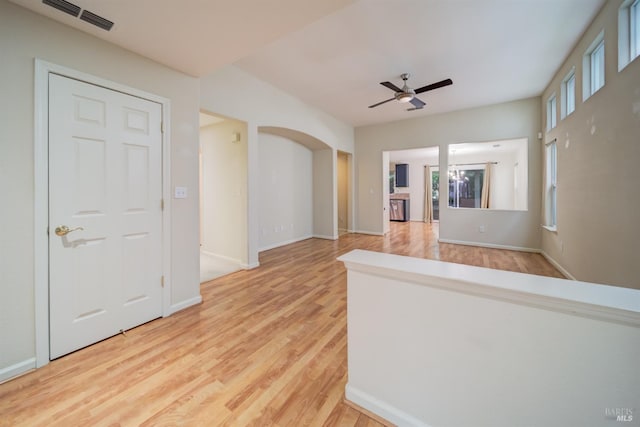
x=326 y=237
x=382 y=409
x=370 y=233
x=284 y=243
x=41 y=211
x=17 y=369
x=182 y=305
x=551 y=228
x=222 y=257
x=489 y=245
x=250 y=266
x=557 y=265
x=42 y=70
x=594 y=301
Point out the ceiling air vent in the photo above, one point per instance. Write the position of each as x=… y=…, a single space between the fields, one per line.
x=64 y=6
x=96 y=20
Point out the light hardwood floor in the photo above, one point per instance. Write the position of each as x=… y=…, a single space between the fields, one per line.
x=267 y=347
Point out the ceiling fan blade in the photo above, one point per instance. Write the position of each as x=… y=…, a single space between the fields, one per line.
x=391 y=86
x=414 y=108
x=380 y=103
x=433 y=86
x=417 y=103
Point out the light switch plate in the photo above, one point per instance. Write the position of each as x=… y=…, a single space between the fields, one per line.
x=180 y=193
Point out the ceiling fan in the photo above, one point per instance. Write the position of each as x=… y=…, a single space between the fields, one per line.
x=406 y=94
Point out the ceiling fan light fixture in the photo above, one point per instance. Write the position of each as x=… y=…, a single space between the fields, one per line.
x=407 y=94
x=404 y=97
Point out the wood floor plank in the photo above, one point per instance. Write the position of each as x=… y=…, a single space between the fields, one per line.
x=267 y=347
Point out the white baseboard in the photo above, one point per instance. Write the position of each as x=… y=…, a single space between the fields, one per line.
x=183 y=304
x=239 y=263
x=381 y=409
x=370 y=233
x=250 y=266
x=557 y=265
x=17 y=369
x=222 y=257
x=321 y=236
x=490 y=245
x=284 y=243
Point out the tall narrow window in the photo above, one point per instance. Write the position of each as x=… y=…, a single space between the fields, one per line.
x=551 y=112
x=435 y=193
x=628 y=32
x=597 y=68
x=593 y=67
x=550 y=185
x=634 y=24
x=568 y=94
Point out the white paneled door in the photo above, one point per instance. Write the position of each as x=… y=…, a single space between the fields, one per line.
x=105 y=213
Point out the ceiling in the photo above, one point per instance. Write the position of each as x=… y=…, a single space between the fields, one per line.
x=332 y=54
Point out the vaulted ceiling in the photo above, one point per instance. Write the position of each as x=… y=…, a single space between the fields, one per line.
x=333 y=54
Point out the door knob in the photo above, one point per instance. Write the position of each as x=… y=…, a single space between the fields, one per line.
x=63 y=230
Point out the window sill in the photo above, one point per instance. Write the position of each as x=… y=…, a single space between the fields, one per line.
x=549 y=228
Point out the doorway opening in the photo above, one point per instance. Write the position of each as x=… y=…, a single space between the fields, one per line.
x=344 y=191
x=411 y=185
x=223 y=196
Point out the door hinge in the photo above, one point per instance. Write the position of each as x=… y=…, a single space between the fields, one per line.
x=161 y=127
x=162 y=281
x=161 y=204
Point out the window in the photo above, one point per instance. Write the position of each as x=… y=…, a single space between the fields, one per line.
x=634 y=21
x=550 y=185
x=593 y=67
x=551 y=112
x=568 y=94
x=628 y=32
x=465 y=187
x=597 y=68
x=435 y=193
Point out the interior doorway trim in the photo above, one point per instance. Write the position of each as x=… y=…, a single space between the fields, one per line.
x=41 y=191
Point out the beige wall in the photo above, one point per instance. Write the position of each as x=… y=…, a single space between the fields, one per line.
x=224 y=190
x=25 y=36
x=325 y=189
x=518 y=119
x=344 y=221
x=598 y=151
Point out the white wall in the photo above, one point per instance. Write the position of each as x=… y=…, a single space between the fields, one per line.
x=440 y=344
x=522 y=178
x=224 y=190
x=231 y=92
x=23 y=37
x=518 y=119
x=286 y=191
x=598 y=153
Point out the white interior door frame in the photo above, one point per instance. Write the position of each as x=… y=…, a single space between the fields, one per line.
x=41 y=189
